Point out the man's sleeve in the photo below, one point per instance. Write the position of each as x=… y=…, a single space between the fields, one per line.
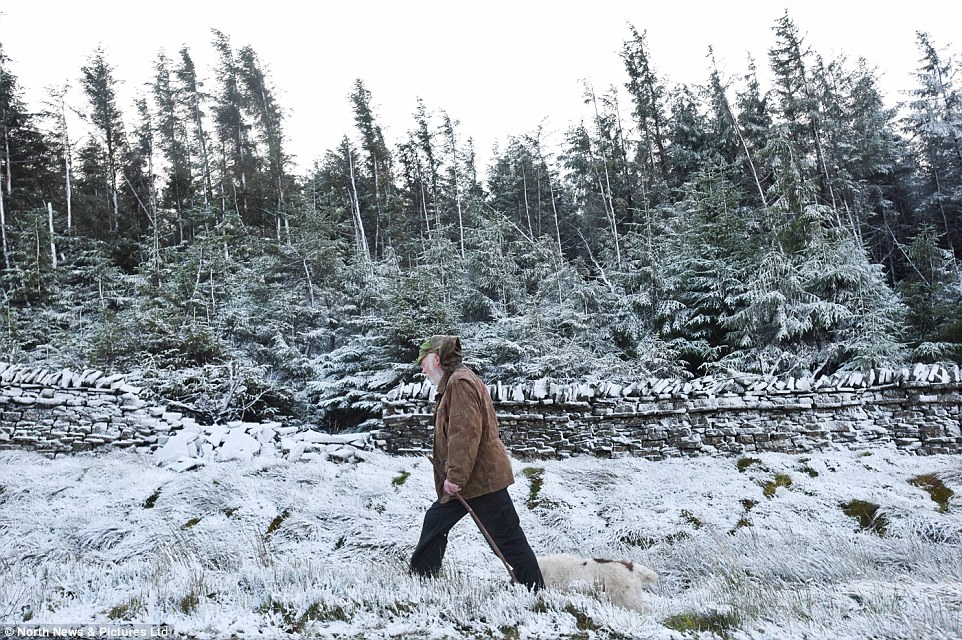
x=464 y=430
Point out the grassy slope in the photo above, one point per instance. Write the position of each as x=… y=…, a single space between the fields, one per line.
x=271 y=548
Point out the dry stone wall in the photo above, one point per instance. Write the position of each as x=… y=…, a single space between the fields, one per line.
x=63 y=411
x=916 y=409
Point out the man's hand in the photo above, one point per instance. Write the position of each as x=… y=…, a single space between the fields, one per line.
x=450 y=487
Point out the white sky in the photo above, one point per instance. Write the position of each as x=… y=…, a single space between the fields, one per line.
x=500 y=67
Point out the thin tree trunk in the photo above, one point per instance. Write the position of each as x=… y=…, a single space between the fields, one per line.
x=358 y=221
x=527 y=209
x=3 y=230
x=68 y=192
x=53 y=245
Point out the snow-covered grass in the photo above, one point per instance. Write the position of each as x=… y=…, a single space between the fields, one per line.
x=273 y=549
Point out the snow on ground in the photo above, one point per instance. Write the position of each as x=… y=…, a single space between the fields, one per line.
x=276 y=549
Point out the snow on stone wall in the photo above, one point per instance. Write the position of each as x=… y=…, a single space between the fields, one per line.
x=916 y=409
x=65 y=412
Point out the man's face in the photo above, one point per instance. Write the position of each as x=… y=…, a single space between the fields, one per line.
x=431 y=368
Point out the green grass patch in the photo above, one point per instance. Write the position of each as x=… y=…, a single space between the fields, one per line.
x=277 y=522
x=721 y=624
x=296 y=624
x=126 y=611
x=535 y=476
x=189 y=603
x=190 y=523
x=691 y=519
x=401 y=479
x=151 y=500
x=742 y=523
x=582 y=620
x=934 y=486
x=744 y=463
x=780 y=480
x=509 y=633
x=868 y=516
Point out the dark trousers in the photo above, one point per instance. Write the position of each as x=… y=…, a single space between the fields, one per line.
x=497 y=514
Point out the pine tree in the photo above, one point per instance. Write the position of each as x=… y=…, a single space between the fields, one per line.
x=648 y=94
x=379 y=165
x=172 y=134
x=935 y=124
x=100 y=87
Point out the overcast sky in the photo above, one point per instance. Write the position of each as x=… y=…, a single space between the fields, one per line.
x=500 y=67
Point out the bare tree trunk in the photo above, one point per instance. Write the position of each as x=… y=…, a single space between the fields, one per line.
x=527 y=209
x=359 y=224
x=3 y=230
x=53 y=245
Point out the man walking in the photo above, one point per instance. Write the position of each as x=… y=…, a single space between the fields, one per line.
x=470 y=460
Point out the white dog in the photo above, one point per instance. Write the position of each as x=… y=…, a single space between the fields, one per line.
x=620 y=579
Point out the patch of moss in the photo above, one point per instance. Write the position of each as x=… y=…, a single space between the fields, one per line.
x=780 y=480
x=720 y=624
x=151 y=500
x=535 y=476
x=401 y=479
x=277 y=522
x=868 y=516
x=934 y=486
x=744 y=463
x=190 y=523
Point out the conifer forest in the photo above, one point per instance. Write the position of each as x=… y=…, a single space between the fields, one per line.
x=779 y=220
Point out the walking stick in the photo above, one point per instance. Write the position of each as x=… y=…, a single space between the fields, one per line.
x=477 y=521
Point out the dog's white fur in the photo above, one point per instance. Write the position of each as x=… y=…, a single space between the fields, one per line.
x=620 y=579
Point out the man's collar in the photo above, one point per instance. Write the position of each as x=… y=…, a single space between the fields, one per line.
x=444 y=380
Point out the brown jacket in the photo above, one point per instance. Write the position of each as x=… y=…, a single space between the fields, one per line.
x=466 y=439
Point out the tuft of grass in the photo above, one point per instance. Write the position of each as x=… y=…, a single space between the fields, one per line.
x=510 y=633
x=277 y=522
x=127 y=610
x=867 y=513
x=744 y=463
x=780 y=480
x=401 y=479
x=934 y=486
x=540 y=606
x=691 y=519
x=721 y=624
x=582 y=620
x=190 y=523
x=151 y=500
x=189 y=603
x=749 y=504
x=296 y=624
x=742 y=522
x=535 y=482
